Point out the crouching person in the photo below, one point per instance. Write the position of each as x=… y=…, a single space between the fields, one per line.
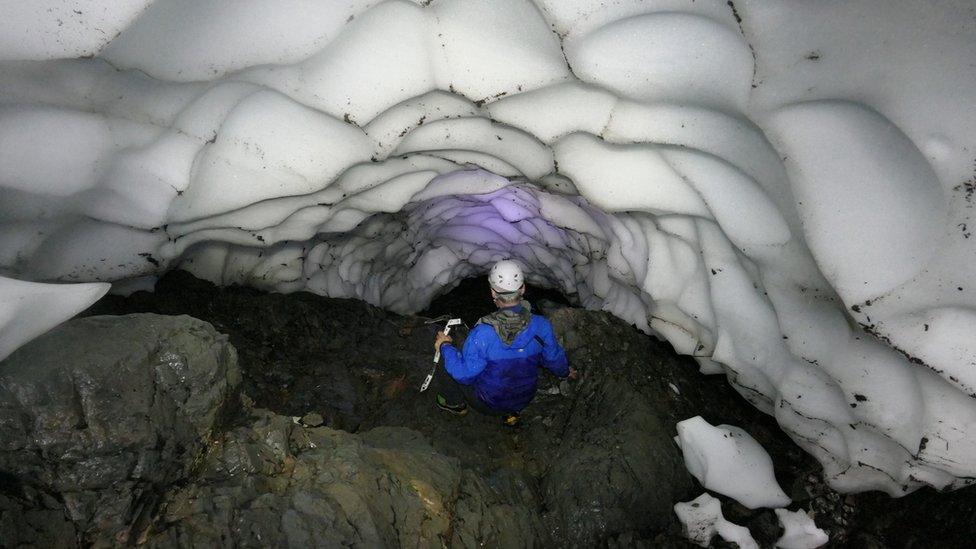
x=497 y=370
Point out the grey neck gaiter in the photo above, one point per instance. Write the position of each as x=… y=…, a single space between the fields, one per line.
x=507 y=322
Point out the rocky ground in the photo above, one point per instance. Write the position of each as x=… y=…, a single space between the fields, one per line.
x=304 y=426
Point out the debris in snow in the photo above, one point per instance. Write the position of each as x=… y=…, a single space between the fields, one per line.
x=702 y=518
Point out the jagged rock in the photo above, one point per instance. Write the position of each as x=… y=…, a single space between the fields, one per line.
x=617 y=469
x=620 y=471
x=101 y=414
x=279 y=484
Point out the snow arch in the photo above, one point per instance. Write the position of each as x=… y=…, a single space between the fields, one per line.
x=782 y=200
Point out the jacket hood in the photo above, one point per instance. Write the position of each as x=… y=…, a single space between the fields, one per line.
x=510 y=325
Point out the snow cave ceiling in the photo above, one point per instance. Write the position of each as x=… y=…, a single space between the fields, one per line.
x=783 y=190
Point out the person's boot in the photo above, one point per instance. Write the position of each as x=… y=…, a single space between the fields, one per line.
x=511 y=420
x=459 y=409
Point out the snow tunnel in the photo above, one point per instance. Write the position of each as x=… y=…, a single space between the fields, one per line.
x=780 y=190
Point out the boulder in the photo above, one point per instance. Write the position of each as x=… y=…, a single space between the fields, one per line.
x=619 y=470
x=616 y=469
x=99 y=416
x=278 y=483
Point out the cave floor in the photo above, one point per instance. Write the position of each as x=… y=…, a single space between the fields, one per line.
x=360 y=368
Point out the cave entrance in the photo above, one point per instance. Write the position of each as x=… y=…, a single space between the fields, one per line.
x=471 y=300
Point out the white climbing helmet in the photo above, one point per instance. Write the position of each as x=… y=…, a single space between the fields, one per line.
x=506 y=277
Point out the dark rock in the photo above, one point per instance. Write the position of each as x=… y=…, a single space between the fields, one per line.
x=616 y=469
x=278 y=484
x=98 y=416
x=765 y=527
x=620 y=472
x=510 y=485
x=299 y=353
x=312 y=419
x=594 y=459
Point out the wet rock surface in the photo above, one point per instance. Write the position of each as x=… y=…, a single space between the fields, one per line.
x=278 y=483
x=101 y=415
x=331 y=443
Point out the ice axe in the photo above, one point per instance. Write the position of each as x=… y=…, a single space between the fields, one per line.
x=437 y=355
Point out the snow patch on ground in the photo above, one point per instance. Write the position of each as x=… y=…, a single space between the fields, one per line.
x=702 y=519
x=799 y=531
x=725 y=459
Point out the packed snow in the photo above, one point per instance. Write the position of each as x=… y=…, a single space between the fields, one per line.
x=725 y=459
x=28 y=309
x=784 y=190
x=702 y=520
x=799 y=531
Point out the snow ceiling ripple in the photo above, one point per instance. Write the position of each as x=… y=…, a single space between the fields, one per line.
x=782 y=190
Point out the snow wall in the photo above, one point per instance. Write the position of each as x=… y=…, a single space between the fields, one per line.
x=783 y=189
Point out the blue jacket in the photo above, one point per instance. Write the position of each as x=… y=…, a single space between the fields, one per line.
x=505 y=376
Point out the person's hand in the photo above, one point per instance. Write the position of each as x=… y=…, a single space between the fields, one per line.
x=573 y=374
x=440 y=340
